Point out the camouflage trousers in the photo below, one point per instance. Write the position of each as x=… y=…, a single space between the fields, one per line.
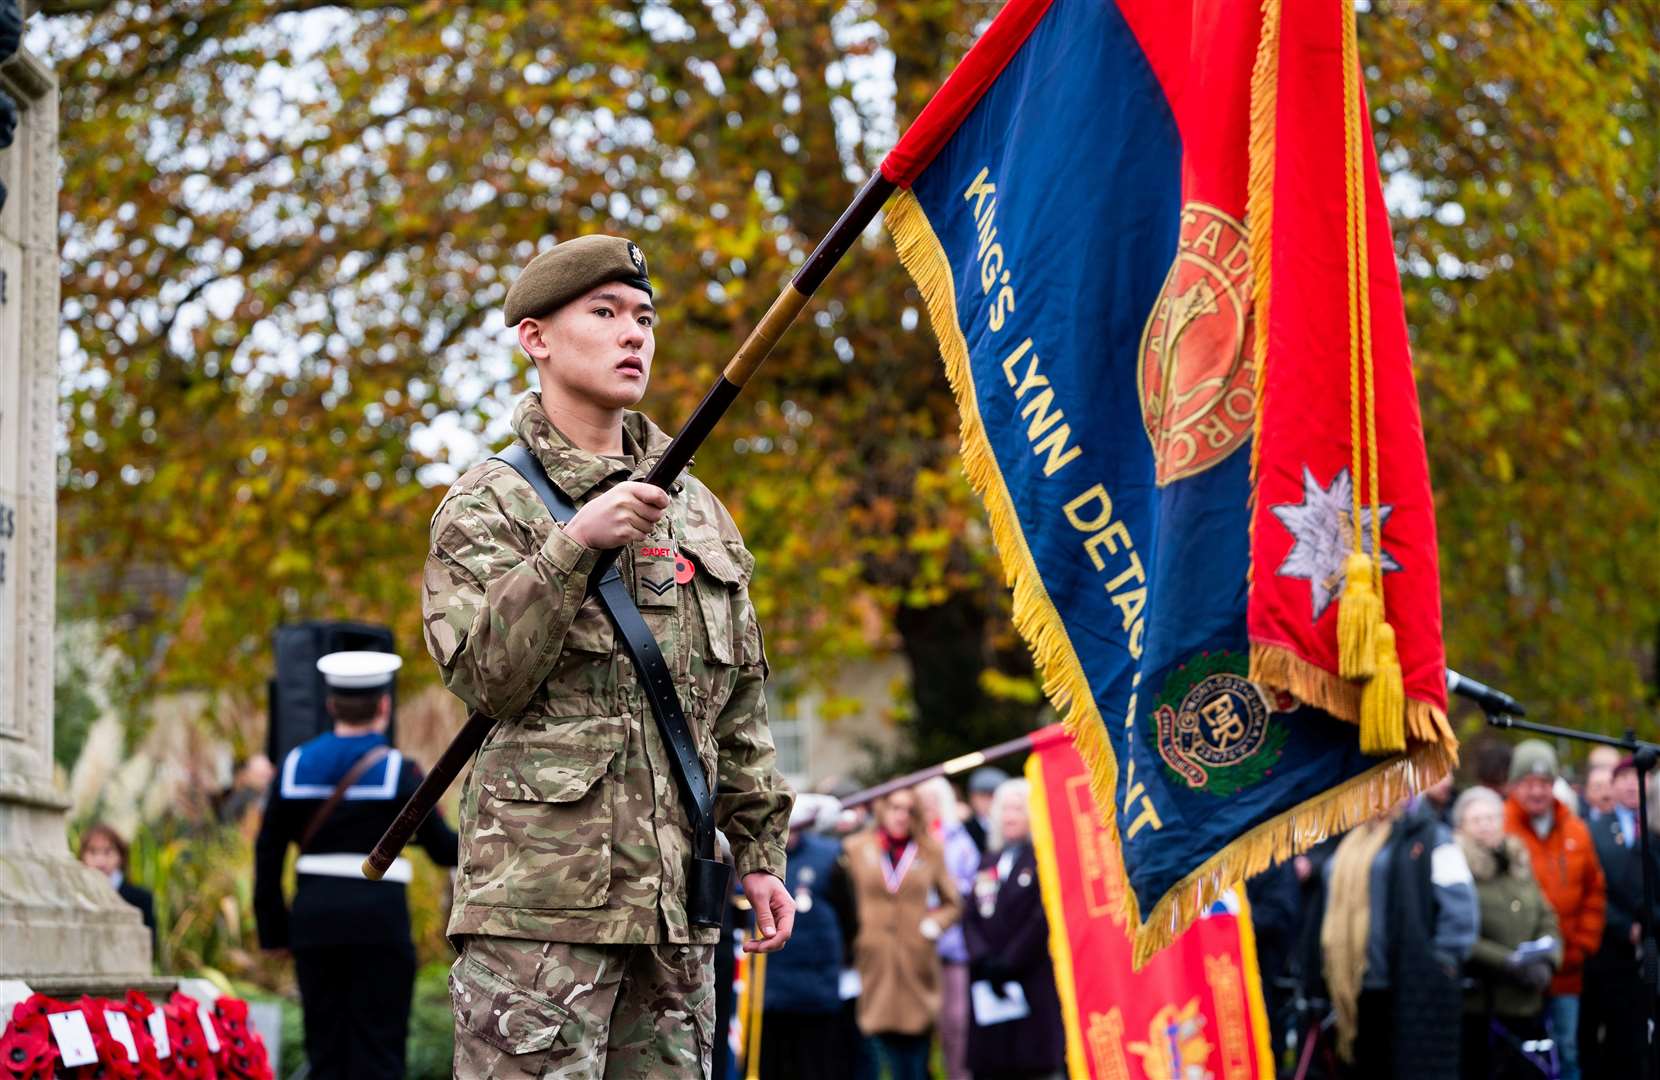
x=564 y=1011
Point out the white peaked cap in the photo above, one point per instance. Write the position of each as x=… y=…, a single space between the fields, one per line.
x=359 y=670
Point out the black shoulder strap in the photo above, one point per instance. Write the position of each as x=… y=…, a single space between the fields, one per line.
x=648 y=659
x=370 y=758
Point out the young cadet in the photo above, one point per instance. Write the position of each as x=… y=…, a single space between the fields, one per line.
x=334 y=796
x=578 y=958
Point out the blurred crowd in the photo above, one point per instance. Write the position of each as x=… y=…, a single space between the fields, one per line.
x=1492 y=932
x=919 y=936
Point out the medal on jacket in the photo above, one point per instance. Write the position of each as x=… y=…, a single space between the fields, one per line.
x=893 y=875
x=804 y=890
x=985 y=891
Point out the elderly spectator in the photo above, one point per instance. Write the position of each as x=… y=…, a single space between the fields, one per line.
x=1008 y=942
x=1613 y=1014
x=962 y=858
x=1519 y=948
x=1565 y=864
x=905 y=899
x=1599 y=793
x=1399 y=920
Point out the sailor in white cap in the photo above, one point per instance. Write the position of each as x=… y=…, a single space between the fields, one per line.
x=333 y=797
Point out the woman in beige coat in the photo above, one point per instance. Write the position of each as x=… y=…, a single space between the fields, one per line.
x=905 y=899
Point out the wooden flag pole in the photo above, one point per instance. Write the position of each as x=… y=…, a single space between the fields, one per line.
x=954 y=767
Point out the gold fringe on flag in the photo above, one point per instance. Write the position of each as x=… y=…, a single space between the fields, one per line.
x=1281 y=668
x=1333 y=811
x=1259 y=215
x=1035 y=616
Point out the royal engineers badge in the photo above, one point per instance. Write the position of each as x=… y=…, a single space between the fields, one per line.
x=1212 y=724
x=1197 y=398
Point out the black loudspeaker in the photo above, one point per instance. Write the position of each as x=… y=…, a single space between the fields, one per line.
x=296 y=693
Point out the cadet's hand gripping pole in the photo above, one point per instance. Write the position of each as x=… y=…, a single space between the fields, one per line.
x=749 y=356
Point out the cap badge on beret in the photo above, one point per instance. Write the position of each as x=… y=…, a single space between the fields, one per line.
x=565 y=271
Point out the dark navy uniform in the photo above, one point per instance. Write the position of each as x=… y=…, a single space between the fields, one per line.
x=350 y=936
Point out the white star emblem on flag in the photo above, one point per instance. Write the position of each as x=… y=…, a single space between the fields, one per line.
x=1321 y=526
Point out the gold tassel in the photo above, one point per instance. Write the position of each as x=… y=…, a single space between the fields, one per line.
x=1383 y=701
x=1359 y=614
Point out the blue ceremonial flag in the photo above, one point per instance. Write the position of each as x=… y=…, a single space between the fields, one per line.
x=1073 y=208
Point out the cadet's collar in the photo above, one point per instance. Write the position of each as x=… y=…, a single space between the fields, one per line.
x=646 y=441
x=575 y=471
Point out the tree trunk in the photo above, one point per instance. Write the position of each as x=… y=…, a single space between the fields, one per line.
x=947 y=648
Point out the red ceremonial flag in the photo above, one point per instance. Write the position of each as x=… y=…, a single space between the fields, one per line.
x=1195 y=1009
x=1339 y=441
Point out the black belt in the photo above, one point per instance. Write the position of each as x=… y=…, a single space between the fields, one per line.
x=708 y=885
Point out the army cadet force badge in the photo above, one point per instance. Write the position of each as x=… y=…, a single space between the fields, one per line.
x=1197 y=397
x=1212 y=724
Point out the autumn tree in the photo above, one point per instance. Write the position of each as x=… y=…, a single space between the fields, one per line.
x=1525 y=145
x=287 y=230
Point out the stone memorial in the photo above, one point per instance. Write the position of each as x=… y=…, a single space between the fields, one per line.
x=62 y=926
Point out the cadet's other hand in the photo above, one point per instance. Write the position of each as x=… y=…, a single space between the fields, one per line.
x=620 y=517
x=774 y=911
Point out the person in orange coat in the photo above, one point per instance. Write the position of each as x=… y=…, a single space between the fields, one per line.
x=1565 y=863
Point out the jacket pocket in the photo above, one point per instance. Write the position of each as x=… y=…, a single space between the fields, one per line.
x=514 y=1021
x=583 y=679
x=544 y=832
x=724 y=569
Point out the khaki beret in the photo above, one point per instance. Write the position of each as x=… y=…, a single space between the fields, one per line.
x=567 y=270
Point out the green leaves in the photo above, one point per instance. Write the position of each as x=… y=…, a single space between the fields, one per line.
x=1534 y=320
x=287 y=241
x=287 y=234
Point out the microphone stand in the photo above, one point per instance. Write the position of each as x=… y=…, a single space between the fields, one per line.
x=1644 y=755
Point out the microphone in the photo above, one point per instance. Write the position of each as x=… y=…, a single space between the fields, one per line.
x=1490 y=700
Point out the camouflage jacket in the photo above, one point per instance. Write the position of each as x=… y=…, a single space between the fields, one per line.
x=571 y=824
